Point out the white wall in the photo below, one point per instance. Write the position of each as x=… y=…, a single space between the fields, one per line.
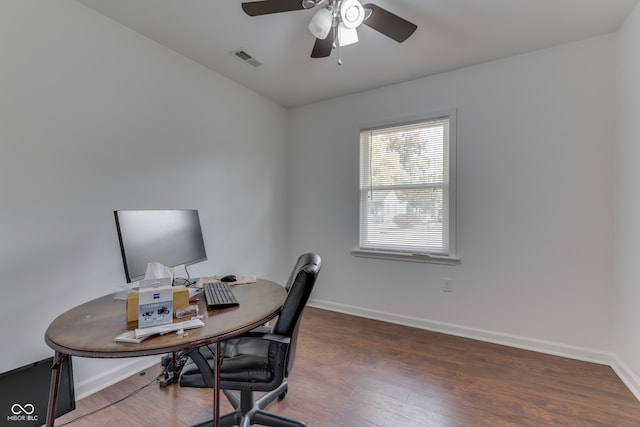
x=626 y=312
x=534 y=220
x=95 y=117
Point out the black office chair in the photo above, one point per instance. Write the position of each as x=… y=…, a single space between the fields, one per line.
x=259 y=360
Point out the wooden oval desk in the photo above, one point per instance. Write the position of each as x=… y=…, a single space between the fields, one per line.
x=88 y=330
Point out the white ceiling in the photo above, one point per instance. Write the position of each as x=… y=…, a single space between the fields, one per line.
x=451 y=34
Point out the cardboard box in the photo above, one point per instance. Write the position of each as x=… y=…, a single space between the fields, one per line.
x=180 y=300
x=155 y=302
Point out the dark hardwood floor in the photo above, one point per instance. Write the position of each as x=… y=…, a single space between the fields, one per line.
x=355 y=372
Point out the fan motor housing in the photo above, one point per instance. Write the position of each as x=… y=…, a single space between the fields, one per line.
x=352 y=13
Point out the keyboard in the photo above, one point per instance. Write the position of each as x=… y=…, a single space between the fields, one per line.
x=219 y=295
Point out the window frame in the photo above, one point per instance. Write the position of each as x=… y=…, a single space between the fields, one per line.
x=452 y=257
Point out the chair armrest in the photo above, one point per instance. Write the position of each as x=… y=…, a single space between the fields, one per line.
x=279 y=339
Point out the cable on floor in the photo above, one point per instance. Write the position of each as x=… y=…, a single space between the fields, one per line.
x=134 y=392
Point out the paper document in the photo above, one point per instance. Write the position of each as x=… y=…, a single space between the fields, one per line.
x=165 y=329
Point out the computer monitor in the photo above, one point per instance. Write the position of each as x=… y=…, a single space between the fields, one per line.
x=170 y=237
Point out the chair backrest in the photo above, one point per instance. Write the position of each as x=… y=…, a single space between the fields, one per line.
x=299 y=287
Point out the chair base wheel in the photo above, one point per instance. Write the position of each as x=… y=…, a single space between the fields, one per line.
x=249 y=411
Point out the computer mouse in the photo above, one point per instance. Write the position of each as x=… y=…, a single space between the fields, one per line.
x=228 y=278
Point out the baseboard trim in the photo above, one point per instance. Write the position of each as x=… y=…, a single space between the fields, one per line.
x=627 y=376
x=541 y=346
x=109 y=377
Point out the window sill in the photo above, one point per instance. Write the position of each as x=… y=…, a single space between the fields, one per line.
x=409 y=257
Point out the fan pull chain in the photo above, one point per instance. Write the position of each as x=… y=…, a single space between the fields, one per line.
x=336 y=42
x=336 y=22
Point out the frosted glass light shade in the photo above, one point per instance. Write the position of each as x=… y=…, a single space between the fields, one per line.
x=320 y=24
x=346 y=35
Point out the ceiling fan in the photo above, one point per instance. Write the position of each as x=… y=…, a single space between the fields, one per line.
x=335 y=22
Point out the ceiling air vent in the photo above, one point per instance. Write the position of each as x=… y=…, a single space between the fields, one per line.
x=245 y=57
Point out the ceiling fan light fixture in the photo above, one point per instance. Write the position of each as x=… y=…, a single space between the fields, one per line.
x=308 y=4
x=321 y=23
x=351 y=13
x=346 y=35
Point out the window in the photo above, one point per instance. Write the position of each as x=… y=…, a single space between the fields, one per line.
x=407 y=190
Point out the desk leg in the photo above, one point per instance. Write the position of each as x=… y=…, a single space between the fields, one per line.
x=53 y=387
x=216 y=386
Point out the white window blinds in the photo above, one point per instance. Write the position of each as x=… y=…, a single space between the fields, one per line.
x=405 y=188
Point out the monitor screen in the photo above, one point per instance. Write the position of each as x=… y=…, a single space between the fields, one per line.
x=170 y=237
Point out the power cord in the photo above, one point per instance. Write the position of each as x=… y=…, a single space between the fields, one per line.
x=134 y=392
x=171 y=373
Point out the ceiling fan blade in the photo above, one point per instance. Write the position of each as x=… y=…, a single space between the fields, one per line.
x=265 y=7
x=322 y=47
x=389 y=24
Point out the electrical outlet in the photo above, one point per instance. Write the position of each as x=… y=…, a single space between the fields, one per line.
x=447 y=284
